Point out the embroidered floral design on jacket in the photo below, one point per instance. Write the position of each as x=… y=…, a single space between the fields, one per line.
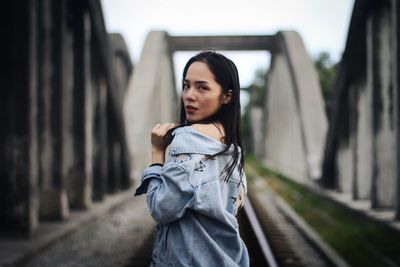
x=200 y=166
x=182 y=158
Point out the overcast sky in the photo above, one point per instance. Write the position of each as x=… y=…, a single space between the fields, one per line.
x=323 y=24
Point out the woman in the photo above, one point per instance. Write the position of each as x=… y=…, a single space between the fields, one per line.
x=195 y=194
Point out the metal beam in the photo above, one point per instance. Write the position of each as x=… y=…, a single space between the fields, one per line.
x=243 y=42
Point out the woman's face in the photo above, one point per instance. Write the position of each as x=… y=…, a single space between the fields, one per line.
x=201 y=95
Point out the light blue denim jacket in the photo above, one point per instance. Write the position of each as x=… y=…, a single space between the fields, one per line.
x=193 y=207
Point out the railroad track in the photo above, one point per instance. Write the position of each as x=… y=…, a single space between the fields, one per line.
x=253 y=234
x=266 y=243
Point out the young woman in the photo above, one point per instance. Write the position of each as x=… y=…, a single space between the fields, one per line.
x=196 y=192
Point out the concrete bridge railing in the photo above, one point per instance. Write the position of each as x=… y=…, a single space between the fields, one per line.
x=63 y=142
x=362 y=155
x=294 y=119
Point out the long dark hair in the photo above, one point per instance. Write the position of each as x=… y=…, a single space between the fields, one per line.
x=226 y=75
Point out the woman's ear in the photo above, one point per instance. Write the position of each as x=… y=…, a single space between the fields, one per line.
x=227 y=97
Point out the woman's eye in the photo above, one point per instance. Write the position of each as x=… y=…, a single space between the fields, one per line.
x=203 y=88
x=185 y=86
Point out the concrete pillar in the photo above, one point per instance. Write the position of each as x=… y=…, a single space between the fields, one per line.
x=344 y=166
x=32 y=190
x=100 y=153
x=372 y=44
x=19 y=164
x=104 y=58
x=395 y=20
x=150 y=99
x=296 y=124
x=118 y=178
x=384 y=139
x=53 y=197
x=80 y=180
x=284 y=146
x=114 y=161
x=68 y=78
x=6 y=51
x=45 y=71
x=353 y=141
x=363 y=150
x=256 y=122
x=308 y=100
x=360 y=126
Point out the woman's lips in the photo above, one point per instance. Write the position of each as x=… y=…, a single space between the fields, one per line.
x=190 y=109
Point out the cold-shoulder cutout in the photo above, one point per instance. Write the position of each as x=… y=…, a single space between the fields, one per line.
x=211 y=130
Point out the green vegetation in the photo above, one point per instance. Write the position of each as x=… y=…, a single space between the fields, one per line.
x=257 y=88
x=360 y=241
x=256 y=93
x=327 y=72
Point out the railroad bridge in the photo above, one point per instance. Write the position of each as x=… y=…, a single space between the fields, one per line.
x=76 y=115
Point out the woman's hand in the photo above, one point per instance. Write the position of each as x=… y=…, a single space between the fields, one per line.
x=158 y=133
x=158 y=142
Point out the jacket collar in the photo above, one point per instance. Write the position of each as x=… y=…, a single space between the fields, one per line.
x=189 y=140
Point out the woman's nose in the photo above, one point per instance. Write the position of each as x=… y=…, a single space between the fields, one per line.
x=189 y=94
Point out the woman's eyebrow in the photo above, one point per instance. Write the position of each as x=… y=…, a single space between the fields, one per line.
x=195 y=82
x=201 y=82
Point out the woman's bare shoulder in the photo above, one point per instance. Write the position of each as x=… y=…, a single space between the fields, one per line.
x=210 y=130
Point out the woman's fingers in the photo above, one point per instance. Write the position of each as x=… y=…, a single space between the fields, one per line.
x=159 y=130
x=157 y=134
x=169 y=126
x=156 y=126
x=162 y=129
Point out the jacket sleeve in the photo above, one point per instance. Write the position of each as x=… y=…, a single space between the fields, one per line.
x=169 y=192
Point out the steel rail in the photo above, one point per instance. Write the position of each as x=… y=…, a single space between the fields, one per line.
x=259 y=233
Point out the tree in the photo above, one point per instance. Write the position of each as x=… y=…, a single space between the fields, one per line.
x=256 y=92
x=327 y=71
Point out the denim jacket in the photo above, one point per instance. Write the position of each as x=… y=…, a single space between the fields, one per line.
x=193 y=207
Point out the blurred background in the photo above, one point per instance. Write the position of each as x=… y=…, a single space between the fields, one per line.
x=83 y=82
